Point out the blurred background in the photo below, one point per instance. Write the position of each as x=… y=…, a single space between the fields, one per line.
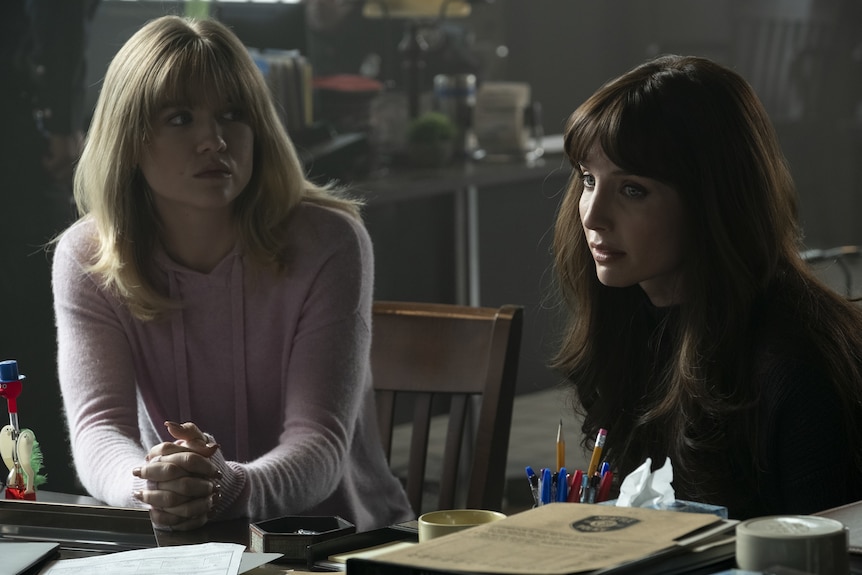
x=353 y=78
x=803 y=57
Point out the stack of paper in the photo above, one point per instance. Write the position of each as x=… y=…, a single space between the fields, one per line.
x=203 y=559
x=563 y=539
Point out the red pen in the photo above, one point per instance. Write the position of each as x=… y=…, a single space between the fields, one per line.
x=605 y=486
x=575 y=487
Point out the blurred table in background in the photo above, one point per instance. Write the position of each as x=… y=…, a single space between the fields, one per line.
x=461 y=183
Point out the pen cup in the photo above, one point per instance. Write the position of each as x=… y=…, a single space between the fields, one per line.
x=438 y=523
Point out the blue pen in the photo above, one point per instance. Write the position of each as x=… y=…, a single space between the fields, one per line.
x=541 y=486
x=545 y=486
x=533 y=479
x=562 y=491
x=585 y=488
x=605 y=468
x=594 y=487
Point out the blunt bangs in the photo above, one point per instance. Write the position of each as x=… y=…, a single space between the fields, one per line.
x=635 y=128
x=205 y=71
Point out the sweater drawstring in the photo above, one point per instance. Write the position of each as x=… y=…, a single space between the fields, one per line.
x=178 y=333
x=240 y=383
x=239 y=373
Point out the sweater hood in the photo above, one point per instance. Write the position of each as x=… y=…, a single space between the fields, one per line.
x=183 y=282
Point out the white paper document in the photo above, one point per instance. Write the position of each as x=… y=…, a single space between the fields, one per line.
x=203 y=559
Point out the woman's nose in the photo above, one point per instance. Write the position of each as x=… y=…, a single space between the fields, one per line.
x=212 y=137
x=594 y=208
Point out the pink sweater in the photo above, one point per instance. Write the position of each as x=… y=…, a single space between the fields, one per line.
x=275 y=367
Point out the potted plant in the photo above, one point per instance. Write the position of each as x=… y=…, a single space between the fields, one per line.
x=430 y=140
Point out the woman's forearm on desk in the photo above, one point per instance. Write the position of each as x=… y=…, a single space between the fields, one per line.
x=97 y=380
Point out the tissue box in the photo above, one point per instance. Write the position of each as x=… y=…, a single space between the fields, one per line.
x=291 y=535
x=685 y=507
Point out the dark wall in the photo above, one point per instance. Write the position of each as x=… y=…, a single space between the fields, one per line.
x=567 y=49
x=801 y=57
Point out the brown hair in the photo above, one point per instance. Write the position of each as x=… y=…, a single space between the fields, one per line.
x=698 y=127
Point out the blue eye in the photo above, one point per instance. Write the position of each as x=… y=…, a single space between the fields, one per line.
x=633 y=192
x=180 y=118
x=589 y=180
x=234 y=115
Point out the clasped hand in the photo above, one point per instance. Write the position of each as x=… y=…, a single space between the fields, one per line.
x=182 y=481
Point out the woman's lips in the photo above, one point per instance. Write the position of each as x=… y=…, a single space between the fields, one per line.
x=603 y=253
x=216 y=173
x=216 y=170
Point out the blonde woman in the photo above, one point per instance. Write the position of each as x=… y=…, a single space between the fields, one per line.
x=208 y=282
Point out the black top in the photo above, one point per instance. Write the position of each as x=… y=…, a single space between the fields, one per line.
x=785 y=452
x=802 y=445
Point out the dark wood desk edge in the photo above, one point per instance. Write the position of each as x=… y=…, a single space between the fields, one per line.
x=67 y=498
x=228 y=531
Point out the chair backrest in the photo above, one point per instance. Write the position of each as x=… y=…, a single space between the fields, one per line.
x=426 y=351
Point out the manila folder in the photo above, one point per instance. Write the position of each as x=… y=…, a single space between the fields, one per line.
x=554 y=539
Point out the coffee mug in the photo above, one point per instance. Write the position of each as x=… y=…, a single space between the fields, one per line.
x=438 y=523
x=811 y=544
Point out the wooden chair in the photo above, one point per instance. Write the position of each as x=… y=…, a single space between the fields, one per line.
x=426 y=351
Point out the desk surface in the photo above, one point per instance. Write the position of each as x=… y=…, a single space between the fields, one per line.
x=85 y=527
x=233 y=531
x=75 y=499
x=395 y=184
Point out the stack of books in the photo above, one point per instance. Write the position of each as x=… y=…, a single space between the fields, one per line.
x=289 y=76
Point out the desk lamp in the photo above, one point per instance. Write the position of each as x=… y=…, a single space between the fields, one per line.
x=420 y=14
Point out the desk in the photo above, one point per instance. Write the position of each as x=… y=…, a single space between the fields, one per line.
x=135 y=521
x=85 y=527
x=236 y=531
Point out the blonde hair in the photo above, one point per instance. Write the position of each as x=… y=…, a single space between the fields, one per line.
x=173 y=59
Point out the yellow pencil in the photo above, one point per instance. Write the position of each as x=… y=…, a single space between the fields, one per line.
x=597 y=452
x=561 y=447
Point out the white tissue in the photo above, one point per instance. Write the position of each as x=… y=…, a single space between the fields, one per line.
x=643 y=488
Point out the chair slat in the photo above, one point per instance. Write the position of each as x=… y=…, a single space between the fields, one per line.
x=452 y=451
x=386 y=420
x=418 y=450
